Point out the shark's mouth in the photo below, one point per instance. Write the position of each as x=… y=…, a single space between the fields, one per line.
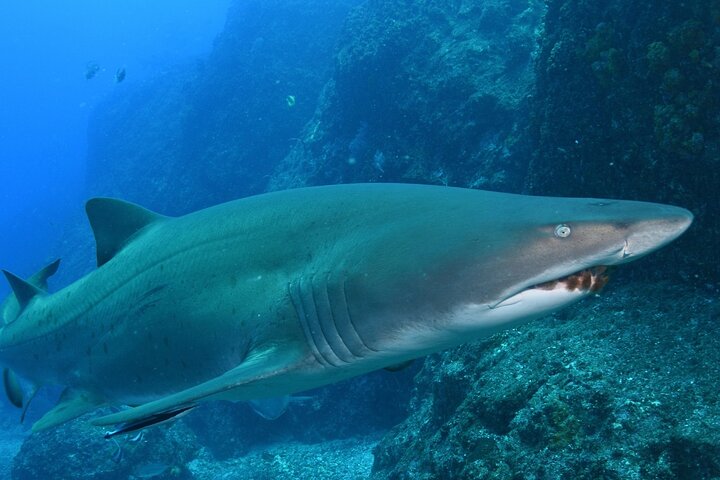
x=588 y=280
x=547 y=296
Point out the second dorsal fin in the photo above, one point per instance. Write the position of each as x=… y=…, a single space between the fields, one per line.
x=40 y=278
x=114 y=223
x=24 y=291
x=10 y=309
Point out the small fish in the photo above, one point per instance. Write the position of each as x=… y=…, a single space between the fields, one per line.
x=157 y=419
x=379 y=161
x=91 y=69
x=118 y=455
x=120 y=75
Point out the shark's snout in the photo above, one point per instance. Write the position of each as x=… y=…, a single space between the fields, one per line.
x=569 y=261
x=656 y=231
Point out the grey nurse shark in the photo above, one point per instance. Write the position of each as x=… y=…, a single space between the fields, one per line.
x=283 y=292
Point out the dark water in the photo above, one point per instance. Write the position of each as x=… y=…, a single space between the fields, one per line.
x=181 y=105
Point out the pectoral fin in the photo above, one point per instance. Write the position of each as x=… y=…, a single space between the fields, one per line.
x=27 y=403
x=72 y=404
x=15 y=394
x=226 y=386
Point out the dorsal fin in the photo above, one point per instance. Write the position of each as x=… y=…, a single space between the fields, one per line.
x=40 y=278
x=115 y=223
x=24 y=291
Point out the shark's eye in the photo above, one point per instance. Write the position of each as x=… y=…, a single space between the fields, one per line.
x=562 y=231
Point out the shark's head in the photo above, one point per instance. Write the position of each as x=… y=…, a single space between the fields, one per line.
x=493 y=260
x=558 y=252
x=555 y=253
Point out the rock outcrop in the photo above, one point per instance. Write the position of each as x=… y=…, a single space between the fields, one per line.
x=623 y=388
x=430 y=92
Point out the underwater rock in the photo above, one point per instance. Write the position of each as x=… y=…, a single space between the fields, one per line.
x=626 y=390
x=441 y=89
x=336 y=459
x=76 y=450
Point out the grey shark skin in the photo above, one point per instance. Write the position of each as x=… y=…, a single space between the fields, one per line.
x=282 y=292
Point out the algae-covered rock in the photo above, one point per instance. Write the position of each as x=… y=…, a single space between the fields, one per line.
x=429 y=91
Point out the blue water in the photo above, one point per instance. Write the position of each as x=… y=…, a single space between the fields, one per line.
x=46 y=100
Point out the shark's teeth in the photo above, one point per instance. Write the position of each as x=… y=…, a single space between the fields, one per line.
x=590 y=279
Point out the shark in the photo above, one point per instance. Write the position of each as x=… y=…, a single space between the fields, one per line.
x=279 y=293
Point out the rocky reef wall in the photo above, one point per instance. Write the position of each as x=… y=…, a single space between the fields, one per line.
x=627 y=106
x=556 y=98
x=424 y=91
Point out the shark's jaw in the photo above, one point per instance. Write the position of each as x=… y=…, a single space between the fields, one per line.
x=545 y=297
x=471 y=321
x=529 y=303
